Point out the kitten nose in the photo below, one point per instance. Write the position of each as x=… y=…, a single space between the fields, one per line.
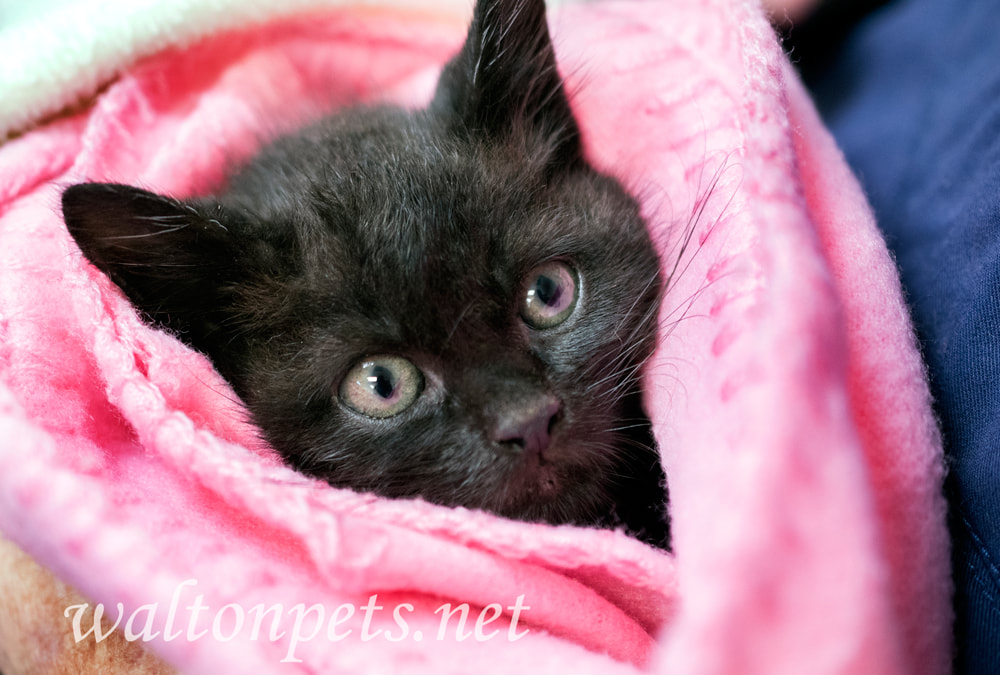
x=528 y=426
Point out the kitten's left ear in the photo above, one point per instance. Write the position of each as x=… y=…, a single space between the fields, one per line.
x=504 y=81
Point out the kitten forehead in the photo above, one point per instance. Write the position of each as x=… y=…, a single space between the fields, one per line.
x=399 y=213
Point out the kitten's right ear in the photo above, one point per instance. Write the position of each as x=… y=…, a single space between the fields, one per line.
x=172 y=259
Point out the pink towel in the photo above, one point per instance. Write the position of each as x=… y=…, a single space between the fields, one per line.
x=787 y=392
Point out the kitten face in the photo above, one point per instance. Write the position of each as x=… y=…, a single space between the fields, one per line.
x=448 y=303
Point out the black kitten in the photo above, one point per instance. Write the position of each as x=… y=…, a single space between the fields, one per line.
x=447 y=303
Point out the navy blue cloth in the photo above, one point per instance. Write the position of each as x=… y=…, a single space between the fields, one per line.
x=912 y=94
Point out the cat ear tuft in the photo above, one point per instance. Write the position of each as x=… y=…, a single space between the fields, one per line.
x=504 y=81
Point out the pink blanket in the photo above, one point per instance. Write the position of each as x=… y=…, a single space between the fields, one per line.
x=787 y=393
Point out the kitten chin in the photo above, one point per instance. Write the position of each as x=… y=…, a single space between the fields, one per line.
x=447 y=303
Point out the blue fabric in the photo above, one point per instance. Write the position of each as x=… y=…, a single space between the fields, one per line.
x=913 y=96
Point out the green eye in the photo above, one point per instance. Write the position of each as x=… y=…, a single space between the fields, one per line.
x=381 y=386
x=550 y=294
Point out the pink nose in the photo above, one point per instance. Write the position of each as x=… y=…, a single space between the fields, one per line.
x=528 y=426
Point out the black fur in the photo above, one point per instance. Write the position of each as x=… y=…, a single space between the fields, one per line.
x=382 y=231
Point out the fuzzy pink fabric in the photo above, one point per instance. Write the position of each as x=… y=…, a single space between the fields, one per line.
x=787 y=393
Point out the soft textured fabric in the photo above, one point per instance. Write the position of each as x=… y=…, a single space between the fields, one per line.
x=58 y=55
x=913 y=95
x=787 y=393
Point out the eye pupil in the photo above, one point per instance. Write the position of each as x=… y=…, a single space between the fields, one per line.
x=382 y=382
x=547 y=290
